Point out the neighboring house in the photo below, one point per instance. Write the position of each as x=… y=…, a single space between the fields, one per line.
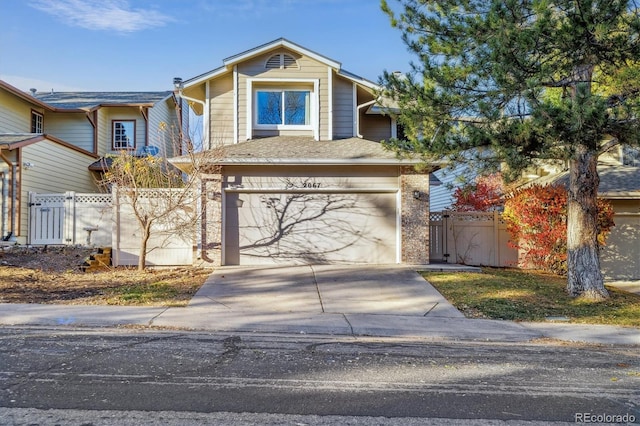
x=620 y=184
x=302 y=177
x=53 y=142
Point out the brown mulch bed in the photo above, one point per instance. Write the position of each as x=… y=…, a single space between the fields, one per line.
x=53 y=275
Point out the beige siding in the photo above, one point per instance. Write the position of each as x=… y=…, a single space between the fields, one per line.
x=350 y=177
x=74 y=128
x=375 y=127
x=104 y=132
x=343 y=109
x=221 y=90
x=626 y=206
x=123 y=113
x=55 y=169
x=308 y=69
x=15 y=114
x=164 y=128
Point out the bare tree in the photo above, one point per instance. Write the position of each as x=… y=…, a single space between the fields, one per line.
x=163 y=199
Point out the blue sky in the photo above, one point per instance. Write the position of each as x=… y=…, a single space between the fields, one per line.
x=123 y=45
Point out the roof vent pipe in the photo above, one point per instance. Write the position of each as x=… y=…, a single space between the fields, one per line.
x=33 y=91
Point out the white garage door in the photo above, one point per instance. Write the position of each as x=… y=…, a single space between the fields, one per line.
x=310 y=227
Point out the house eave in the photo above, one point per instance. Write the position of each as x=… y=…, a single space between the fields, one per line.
x=278 y=43
x=315 y=161
x=626 y=195
x=25 y=96
x=229 y=62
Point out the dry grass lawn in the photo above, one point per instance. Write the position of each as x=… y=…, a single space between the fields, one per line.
x=53 y=275
x=517 y=295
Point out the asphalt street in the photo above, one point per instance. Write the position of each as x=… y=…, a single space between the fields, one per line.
x=97 y=376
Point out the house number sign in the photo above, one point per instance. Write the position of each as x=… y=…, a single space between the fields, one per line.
x=307 y=184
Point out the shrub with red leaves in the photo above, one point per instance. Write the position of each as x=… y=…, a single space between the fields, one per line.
x=482 y=196
x=536 y=220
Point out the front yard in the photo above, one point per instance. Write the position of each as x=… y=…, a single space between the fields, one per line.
x=517 y=295
x=53 y=275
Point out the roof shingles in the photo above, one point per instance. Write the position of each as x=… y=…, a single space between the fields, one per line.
x=615 y=180
x=88 y=100
x=283 y=149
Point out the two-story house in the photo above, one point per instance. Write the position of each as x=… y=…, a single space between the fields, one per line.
x=301 y=175
x=55 y=142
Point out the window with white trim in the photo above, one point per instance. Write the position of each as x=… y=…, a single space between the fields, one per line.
x=124 y=132
x=37 y=121
x=279 y=107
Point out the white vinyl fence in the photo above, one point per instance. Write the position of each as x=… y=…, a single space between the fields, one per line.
x=70 y=219
x=93 y=220
x=173 y=237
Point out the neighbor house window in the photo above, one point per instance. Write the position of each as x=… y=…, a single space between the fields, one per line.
x=124 y=132
x=283 y=107
x=36 y=122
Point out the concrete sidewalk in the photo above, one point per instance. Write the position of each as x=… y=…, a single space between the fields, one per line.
x=384 y=301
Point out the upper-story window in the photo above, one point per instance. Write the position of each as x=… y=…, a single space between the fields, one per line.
x=37 y=121
x=283 y=107
x=124 y=132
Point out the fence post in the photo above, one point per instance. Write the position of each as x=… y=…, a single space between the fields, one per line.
x=445 y=235
x=496 y=239
x=32 y=218
x=115 y=229
x=69 y=231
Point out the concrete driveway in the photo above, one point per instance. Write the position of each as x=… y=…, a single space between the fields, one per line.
x=323 y=289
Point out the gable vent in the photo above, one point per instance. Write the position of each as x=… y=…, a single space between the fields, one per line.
x=289 y=61
x=281 y=61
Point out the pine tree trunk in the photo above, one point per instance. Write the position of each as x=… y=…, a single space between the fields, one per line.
x=584 y=275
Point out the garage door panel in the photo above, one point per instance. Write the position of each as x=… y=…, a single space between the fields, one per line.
x=310 y=228
x=619 y=257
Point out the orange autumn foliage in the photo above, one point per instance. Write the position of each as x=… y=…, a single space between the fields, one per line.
x=536 y=219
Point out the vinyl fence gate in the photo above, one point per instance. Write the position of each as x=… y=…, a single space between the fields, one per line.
x=70 y=218
x=470 y=238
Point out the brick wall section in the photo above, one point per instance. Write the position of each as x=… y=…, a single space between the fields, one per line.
x=212 y=219
x=415 y=216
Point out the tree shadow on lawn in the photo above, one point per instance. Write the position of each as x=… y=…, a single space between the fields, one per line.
x=517 y=295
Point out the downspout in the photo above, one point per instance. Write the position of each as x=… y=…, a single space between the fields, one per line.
x=358 y=109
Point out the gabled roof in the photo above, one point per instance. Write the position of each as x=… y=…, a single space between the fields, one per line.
x=11 y=141
x=18 y=140
x=281 y=42
x=229 y=62
x=24 y=95
x=91 y=100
